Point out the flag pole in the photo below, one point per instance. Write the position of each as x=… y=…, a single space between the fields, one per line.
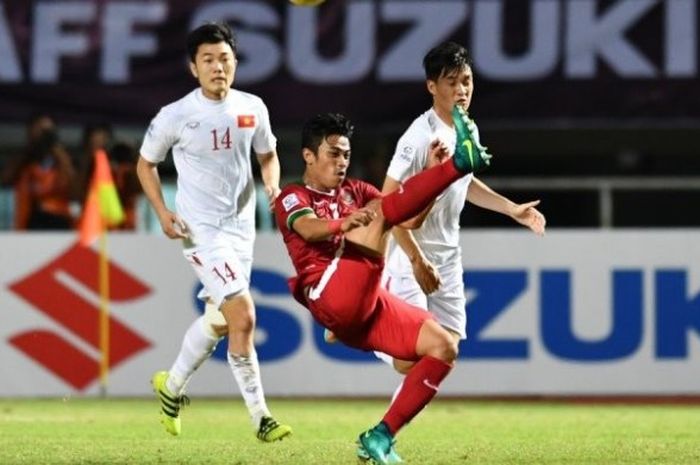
x=104 y=312
x=102 y=209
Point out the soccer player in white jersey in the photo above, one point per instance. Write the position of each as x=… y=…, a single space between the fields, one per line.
x=424 y=265
x=212 y=132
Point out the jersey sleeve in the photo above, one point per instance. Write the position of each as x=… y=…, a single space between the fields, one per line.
x=368 y=192
x=409 y=157
x=160 y=137
x=264 y=141
x=292 y=203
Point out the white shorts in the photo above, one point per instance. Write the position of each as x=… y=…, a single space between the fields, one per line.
x=224 y=260
x=447 y=304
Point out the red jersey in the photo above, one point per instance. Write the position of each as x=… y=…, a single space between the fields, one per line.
x=310 y=259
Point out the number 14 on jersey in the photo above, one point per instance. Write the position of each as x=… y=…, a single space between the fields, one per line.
x=224 y=141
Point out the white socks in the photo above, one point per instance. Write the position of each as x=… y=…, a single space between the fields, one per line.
x=197 y=346
x=246 y=370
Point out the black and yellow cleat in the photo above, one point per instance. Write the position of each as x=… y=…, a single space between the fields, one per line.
x=169 y=404
x=270 y=430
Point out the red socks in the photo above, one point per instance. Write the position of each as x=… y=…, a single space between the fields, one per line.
x=417 y=192
x=419 y=387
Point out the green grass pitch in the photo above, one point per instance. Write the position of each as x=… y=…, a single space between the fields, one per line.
x=120 y=431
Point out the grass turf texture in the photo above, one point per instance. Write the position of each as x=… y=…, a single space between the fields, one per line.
x=117 y=431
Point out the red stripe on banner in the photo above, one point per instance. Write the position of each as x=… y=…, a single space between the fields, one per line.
x=47 y=294
x=58 y=356
x=81 y=263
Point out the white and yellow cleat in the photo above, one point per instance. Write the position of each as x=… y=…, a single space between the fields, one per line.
x=169 y=403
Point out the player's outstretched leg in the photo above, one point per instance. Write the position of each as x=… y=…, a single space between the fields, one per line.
x=270 y=430
x=418 y=191
x=169 y=403
x=470 y=156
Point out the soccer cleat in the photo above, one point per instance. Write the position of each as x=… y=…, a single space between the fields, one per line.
x=377 y=443
x=470 y=156
x=392 y=457
x=169 y=403
x=270 y=430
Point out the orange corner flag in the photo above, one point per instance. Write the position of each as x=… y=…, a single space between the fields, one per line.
x=102 y=207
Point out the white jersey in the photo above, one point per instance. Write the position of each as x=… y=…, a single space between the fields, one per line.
x=211 y=143
x=439 y=235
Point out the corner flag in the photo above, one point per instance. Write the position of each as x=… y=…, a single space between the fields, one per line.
x=102 y=207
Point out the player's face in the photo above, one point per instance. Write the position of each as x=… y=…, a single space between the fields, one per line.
x=327 y=168
x=452 y=88
x=214 y=67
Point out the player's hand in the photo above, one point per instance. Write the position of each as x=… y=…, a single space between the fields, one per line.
x=527 y=215
x=173 y=226
x=358 y=218
x=272 y=193
x=437 y=153
x=426 y=275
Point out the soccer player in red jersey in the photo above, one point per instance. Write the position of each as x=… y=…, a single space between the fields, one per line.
x=336 y=231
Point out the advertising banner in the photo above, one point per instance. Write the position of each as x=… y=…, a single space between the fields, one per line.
x=574 y=313
x=533 y=60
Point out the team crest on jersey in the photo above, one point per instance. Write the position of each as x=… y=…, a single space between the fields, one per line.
x=407 y=153
x=246 y=121
x=346 y=197
x=290 y=201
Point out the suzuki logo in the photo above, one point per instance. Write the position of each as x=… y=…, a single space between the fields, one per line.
x=50 y=296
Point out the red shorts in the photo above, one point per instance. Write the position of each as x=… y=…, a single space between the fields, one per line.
x=349 y=301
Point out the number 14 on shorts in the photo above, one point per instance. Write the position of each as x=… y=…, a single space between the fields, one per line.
x=224 y=273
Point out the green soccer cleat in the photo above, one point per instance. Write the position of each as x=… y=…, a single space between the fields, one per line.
x=377 y=444
x=392 y=457
x=470 y=156
x=270 y=430
x=169 y=403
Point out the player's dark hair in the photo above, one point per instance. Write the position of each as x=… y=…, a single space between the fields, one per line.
x=210 y=33
x=444 y=59
x=323 y=125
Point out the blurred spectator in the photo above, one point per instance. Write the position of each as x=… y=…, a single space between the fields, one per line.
x=42 y=178
x=34 y=127
x=123 y=158
x=95 y=137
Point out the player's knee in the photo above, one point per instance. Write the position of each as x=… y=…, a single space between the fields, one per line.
x=438 y=342
x=449 y=350
x=240 y=313
x=245 y=322
x=444 y=347
x=403 y=366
